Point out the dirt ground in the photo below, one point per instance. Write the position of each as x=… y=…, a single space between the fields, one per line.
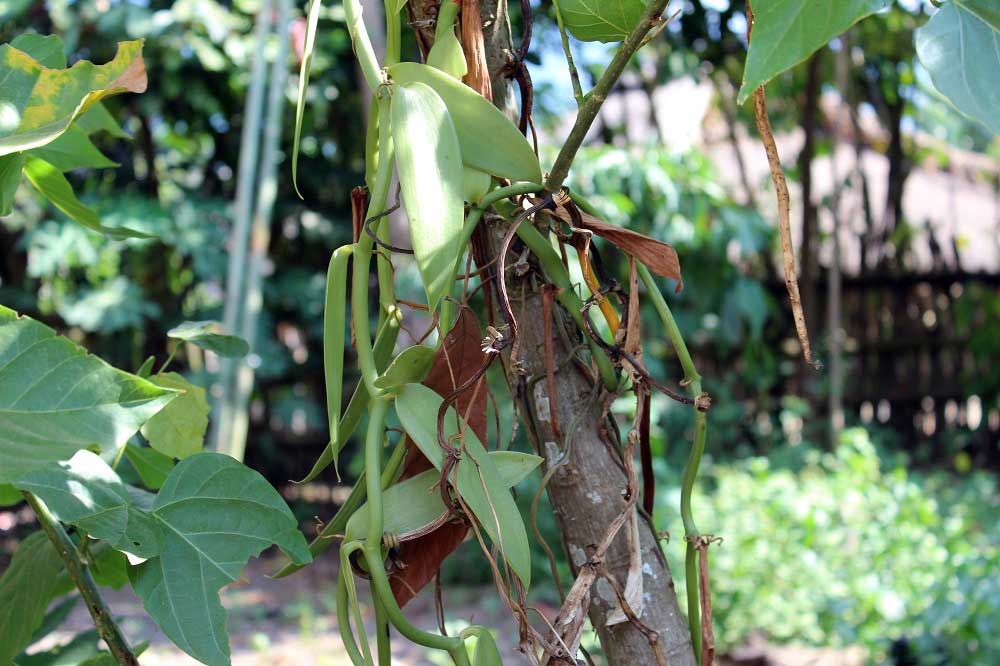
x=292 y=622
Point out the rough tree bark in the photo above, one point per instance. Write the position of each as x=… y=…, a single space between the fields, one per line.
x=586 y=490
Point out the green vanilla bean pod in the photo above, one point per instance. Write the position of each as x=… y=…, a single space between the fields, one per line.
x=334 y=314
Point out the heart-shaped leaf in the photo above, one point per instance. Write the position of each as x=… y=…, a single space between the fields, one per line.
x=41 y=102
x=56 y=399
x=409 y=367
x=215 y=514
x=601 y=20
x=960 y=47
x=178 y=430
x=206 y=335
x=477 y=480
x=25 y=592
x=786 y=32
x=488 y=140
x=429 y=163
x=85 y=491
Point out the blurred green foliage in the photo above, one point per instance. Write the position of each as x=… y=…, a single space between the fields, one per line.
x=849 y=548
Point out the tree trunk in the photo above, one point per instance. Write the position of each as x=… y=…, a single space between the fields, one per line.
x=586 y=491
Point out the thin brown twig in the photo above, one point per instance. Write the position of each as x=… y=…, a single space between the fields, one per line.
x=784 y=212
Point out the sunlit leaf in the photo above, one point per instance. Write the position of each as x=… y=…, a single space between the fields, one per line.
x=429 y=163
x=215 y=514
x=205 y=334
x=40 y=102
x=489 y=141
x=786 y=32
x=85 y=491
x=960 y=47
x=601 y=20
x=178 y=430
x=56 y=399
x=48 y=180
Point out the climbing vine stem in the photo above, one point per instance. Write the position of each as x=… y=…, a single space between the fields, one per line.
x=107 y=628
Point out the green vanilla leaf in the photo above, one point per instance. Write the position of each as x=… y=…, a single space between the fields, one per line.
x=601 y=20
x=26 y=589
x=486 y=652
x=40 y=103
x=488 y=140
x=86 y=492
x=429 y=163
x=152 y=466
x=475 y=185
x=215 y=514
x=446 y=53
x=409 y=367
x=787 y=32
x=308 y=48
x=56 y=399
x=206 y=335
x=178 y=430
x=416 y=502
x=477 y=480
x=960 y=47
x=10 y=179
x=73 y=150
x=50 y=182
x=9 y=495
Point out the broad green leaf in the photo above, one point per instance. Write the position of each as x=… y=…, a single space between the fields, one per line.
x=786 y=32
x=40 y=102
x=178 y=430
x=86 y=492
x=205 y=335
x=73 y=150
x=486 y=652
x=409 y=367
x=55 y=617
x=416 y=502
x=48 y=50
x=152 y=466
x=10 y=179
x=49 y=180
x=429 y=164
x=478 y=482
x=488 y=140
x=56 y=399
x=601 y=20
x=25 y=593
x=215 y=514
x=307 y=56
x=960 y=47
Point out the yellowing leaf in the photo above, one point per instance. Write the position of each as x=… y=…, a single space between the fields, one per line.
x=40 y=103
x=178 y=430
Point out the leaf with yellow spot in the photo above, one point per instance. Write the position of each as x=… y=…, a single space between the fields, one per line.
x=39 y=103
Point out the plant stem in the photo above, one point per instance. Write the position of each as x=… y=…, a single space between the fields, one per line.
x=393 y=32
x=363 y=48
x=595 y=98
x=574 y=75
x=107 y=628
x=169 y=358
x=693 y=381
